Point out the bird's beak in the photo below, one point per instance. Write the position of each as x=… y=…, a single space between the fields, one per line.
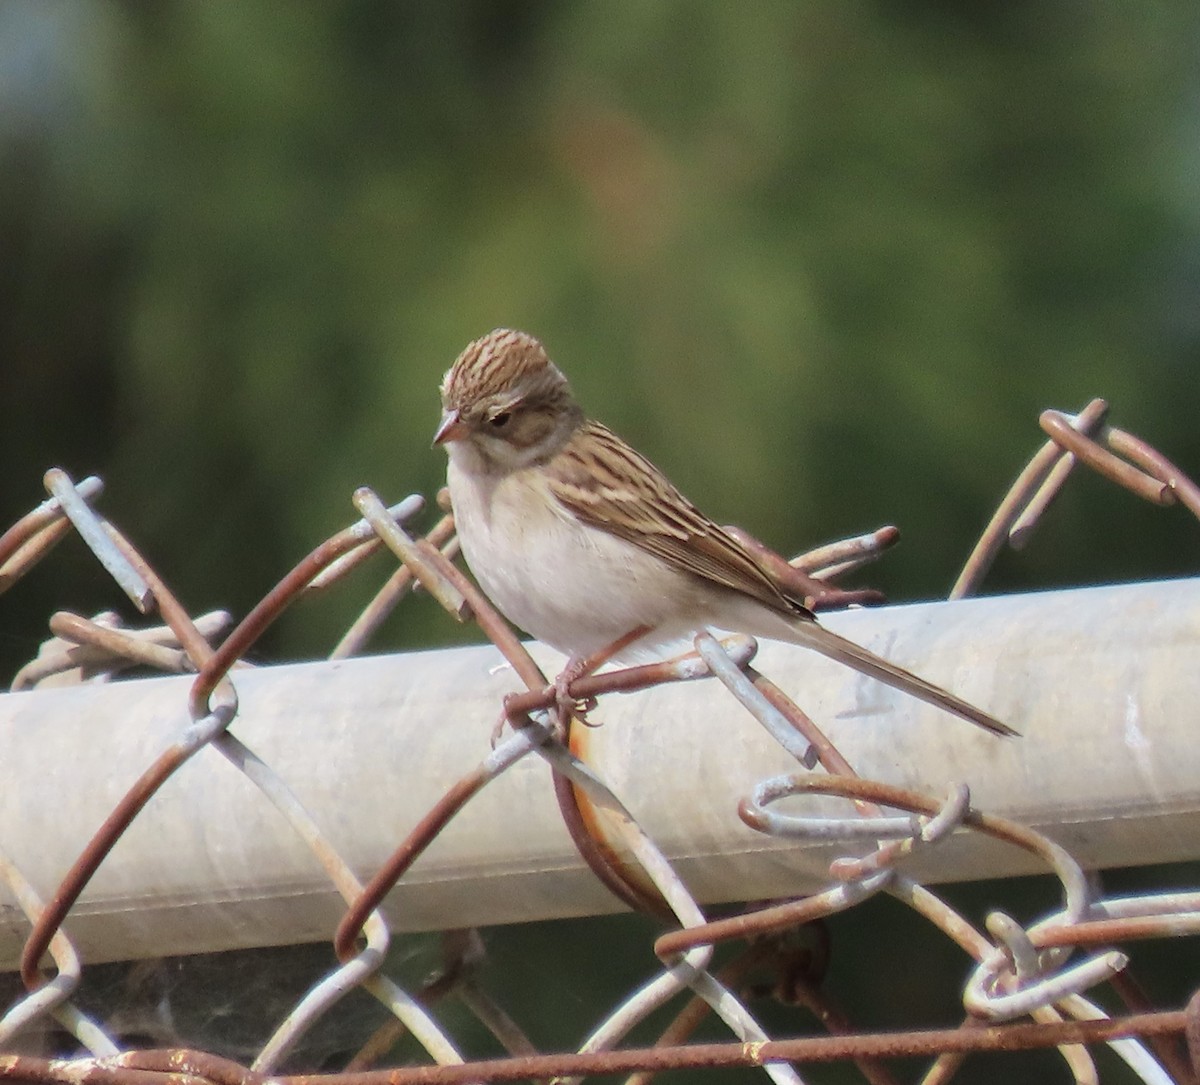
x=452 y=428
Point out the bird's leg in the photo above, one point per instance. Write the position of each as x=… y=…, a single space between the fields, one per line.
x=581 y=666
x=578 y=667
x=568 y=706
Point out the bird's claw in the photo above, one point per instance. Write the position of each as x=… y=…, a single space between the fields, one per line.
x=568 y=705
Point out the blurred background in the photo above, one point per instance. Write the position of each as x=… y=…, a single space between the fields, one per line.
x=823 y=262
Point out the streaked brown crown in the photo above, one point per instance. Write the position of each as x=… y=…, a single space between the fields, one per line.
x=502 y=362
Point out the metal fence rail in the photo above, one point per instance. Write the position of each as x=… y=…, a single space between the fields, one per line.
x=1119 y=681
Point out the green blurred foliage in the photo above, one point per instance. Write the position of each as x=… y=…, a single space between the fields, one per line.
x=824 y=262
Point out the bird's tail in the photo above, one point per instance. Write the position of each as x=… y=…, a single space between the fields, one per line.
x=866 y=662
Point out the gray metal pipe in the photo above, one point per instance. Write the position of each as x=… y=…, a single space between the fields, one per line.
x=1103 y=683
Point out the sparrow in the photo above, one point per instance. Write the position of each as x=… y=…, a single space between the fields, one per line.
x=581 y=541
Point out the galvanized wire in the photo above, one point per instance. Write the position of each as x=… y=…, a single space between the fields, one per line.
x=1040 y=970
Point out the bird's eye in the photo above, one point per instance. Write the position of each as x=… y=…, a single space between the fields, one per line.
x=500 y=419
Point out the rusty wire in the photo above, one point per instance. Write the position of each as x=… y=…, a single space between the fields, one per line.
x=1042 y=970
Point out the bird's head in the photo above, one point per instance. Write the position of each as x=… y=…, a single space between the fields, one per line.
x=505 y=405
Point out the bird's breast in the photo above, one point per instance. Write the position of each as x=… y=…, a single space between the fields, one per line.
x=573 y=586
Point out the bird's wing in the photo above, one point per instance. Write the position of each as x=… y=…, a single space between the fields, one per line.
x=604 y=482
x=608 y=485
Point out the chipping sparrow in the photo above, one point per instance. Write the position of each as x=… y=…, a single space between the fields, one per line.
x=579 y=540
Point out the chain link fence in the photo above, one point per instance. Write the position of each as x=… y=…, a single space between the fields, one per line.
x=1032 y=986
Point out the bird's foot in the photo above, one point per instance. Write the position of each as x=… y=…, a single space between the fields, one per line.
x=569 y=706
x=498 y=730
